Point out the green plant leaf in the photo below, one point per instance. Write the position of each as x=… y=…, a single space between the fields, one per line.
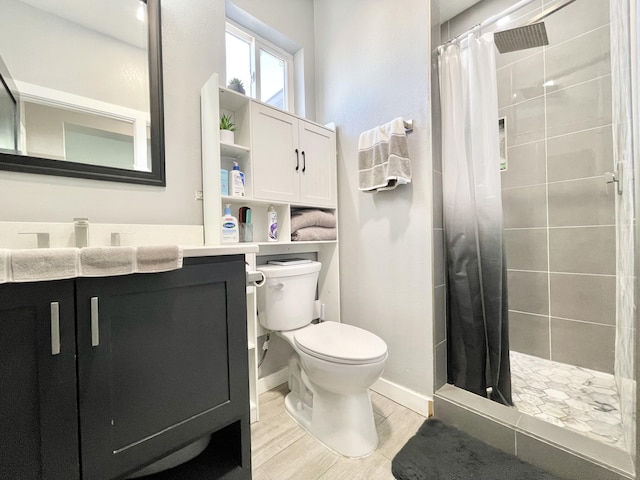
x=226 y=123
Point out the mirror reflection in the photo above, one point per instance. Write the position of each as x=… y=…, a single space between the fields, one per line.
x=75 y=82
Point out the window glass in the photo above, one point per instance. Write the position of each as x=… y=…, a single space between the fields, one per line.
x=239 y=61
x=272 y=79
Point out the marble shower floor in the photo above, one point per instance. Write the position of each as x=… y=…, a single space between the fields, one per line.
x=579 y=399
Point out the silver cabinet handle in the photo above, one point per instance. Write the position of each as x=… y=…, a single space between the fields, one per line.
x=55 y=328
x=95 y=323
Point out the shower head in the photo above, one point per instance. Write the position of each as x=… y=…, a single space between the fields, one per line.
x=530 y=35
x=521 y=38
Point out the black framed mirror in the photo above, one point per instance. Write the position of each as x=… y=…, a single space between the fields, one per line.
x=96 y=131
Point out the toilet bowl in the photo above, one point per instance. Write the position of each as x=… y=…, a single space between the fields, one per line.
x=333 y=364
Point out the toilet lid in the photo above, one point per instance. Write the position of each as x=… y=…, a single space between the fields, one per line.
x=340 y=343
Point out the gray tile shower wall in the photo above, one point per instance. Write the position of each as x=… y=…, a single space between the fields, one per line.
x=439 y=288
x=559 y=214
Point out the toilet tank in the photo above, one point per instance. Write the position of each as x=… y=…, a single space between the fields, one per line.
x=286 y=300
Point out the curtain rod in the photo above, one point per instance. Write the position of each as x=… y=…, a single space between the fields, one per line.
x=485 y=23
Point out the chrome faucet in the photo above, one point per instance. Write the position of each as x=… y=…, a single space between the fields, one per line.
x=81 y=229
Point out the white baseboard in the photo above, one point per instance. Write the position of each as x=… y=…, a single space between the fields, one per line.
x=273 y=380
x=415 y=401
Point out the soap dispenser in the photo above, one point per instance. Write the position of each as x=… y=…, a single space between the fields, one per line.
x=229 y=226
x=236 y=182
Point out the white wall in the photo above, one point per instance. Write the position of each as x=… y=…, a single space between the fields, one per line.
x=372 y=64
x=193 y=39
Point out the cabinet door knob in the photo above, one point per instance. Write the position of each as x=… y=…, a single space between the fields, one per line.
x=297 y=160
x=304 y=162
x=95 y=323
x=55 y=328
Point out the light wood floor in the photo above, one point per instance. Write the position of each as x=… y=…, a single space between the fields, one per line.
x=282 y=450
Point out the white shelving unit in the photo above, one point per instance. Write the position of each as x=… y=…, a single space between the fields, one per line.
x=288 y=162
x=252 y=341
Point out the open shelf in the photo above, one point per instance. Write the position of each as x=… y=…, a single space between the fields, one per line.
x=233 y=150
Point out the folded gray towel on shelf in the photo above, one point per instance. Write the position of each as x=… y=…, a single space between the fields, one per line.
x=383 y=158
x=39 y=264
x=158 y=258
x=311 y=217
x=106 y=261
x=314 y=234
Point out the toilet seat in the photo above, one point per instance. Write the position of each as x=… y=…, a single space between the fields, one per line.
x=339 y=343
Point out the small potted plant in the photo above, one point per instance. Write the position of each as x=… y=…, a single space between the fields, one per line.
x=227 y=127
x=236 y=85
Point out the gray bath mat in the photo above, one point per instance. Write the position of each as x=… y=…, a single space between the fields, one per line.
x=440 y=452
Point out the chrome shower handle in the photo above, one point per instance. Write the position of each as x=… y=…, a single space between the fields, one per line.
x=615 y=177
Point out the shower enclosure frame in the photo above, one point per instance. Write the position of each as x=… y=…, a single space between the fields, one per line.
x=531 y=439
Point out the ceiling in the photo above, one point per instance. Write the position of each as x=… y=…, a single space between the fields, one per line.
x=451 y=8
x=115 y=18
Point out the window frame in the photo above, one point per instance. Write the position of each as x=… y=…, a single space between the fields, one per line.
x=258 y=43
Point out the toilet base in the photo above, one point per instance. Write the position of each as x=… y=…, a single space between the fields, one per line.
x=343 y=423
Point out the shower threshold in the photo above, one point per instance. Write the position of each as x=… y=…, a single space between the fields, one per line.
x=578 y=399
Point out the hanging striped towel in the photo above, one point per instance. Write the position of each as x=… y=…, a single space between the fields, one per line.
x=383 y=158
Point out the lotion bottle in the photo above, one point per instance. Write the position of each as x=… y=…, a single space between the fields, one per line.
x=236 y=182
x=272 y=224
x=229 y=226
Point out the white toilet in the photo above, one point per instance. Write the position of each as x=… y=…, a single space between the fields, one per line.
x=333 y=364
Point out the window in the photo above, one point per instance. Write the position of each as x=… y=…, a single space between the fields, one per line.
x=265 y=70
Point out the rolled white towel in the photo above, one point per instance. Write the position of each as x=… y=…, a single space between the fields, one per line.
x=5 y=265
x=107 y=261
x=34 y=265
x=158 y=258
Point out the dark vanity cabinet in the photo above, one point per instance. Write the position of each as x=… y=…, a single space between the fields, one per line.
x=161 y=362
x=38 y=407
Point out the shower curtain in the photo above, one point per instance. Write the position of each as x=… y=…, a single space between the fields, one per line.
x=477 y=312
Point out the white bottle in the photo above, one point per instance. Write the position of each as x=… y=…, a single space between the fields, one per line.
x=229 y=226
x=236 y=182
x=272 y=224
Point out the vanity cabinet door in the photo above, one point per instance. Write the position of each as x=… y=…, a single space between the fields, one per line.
x=161 y=362
x=38 y=408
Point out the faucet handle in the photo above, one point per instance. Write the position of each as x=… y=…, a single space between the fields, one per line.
x=117 y=237
x=42 y=239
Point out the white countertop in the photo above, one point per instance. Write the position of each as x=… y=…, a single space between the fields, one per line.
x=215 y=250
